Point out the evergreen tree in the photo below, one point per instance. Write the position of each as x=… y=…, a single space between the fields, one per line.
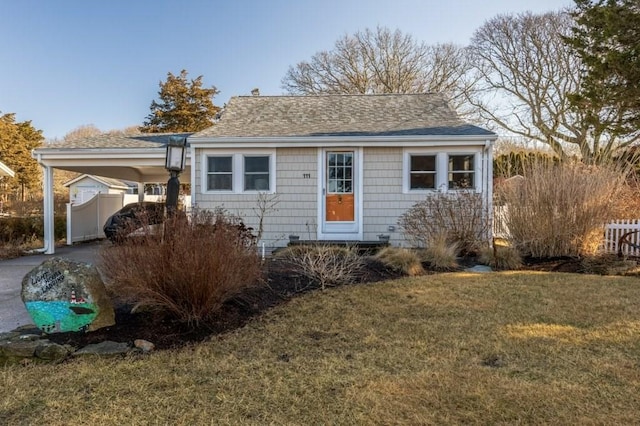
x=17 y=140
x=184 y=106
x=607 y=39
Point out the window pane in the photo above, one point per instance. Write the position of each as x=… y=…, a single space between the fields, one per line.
x=219 y=164
x=426 y=163
x=423 y=181
x=256 y=164
x=460 y=162
x=219 y=182
x=256 y=182
x=460 y=180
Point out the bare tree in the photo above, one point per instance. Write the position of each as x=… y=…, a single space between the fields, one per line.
x=524 y=75
x=381 y=61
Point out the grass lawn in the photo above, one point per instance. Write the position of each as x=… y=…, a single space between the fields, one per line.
x=498 y=348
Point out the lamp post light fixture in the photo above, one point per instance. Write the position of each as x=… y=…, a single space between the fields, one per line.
x=174 y=163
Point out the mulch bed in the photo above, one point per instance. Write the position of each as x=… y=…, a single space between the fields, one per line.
x=278 y=286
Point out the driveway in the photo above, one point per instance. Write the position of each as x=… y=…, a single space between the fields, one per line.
x=12 y=311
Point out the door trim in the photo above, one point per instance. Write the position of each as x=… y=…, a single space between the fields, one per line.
x=333 y=231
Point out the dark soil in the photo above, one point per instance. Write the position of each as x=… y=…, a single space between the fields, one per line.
x=278 y=286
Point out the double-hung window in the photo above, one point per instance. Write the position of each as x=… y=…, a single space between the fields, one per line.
x=238 y=173
x=256 y=172
x=461 y=171
x=422 y=173
x=220 y=173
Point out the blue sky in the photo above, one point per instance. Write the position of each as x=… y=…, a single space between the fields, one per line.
x=68 y=63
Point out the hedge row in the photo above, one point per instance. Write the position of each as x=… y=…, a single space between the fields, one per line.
x=20 y=229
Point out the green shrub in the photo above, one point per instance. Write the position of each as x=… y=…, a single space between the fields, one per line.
x=190 y=272
x=324 y=265
x=401 y=259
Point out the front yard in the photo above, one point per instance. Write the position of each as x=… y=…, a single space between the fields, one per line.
x=512 y=347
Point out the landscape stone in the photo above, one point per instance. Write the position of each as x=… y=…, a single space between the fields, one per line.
x=479 y=268
x=18 y=349
x=62 y=295
x=52 y=351
x=104 y=348
x=144 y=345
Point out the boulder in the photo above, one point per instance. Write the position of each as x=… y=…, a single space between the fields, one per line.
x=62 y=295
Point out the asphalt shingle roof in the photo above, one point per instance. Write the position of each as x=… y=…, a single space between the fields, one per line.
x=148 y=140
x=339 y=115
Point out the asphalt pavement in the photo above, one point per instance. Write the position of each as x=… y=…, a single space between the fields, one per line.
x=12 y=310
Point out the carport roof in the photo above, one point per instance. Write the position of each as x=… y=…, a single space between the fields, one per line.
x=108 y=140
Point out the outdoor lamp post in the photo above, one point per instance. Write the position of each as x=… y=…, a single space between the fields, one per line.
x=175 y=159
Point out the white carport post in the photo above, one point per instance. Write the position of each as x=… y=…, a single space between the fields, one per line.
x=49 y=230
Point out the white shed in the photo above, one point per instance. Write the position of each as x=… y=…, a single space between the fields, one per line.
x=84 y=187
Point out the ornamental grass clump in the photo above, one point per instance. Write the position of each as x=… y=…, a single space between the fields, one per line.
x=190 y=271
x=401 y=259
x=500 y=257
x=441 y=254
x=560 y=209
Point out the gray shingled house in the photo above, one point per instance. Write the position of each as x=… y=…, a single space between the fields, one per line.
x=340 y=167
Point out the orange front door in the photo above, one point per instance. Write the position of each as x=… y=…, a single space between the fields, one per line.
x=339 y=197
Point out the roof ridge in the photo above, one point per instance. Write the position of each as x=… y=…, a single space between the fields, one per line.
x=328 y=95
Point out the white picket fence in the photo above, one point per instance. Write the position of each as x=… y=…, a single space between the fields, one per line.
x=613 y=231
x=616 y=229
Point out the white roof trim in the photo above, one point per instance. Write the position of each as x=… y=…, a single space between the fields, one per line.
x=5 y=170
x=333 y=141
x=98 y=179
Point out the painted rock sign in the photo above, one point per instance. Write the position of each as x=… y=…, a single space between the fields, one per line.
x=63 y=295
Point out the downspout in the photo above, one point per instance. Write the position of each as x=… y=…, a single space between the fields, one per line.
x=488 y=171
x=192 y=165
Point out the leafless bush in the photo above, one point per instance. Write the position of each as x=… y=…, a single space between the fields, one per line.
x=198 y=265
x=324 y=265
x=461 y=215
x=560 y=209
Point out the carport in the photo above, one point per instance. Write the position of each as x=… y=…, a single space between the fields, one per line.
x=136 y=158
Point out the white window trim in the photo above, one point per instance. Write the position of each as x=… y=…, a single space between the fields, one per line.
x=442 y=169
x=237 y=170
x=476 y=171
x=406 y=170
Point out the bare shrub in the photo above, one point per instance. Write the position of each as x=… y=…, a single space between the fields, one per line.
x=501 y=258
x=560 y=209
x=324 y=265
x=198 y=265
x=401 y=259
x=440 y=253
x=461 y=215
